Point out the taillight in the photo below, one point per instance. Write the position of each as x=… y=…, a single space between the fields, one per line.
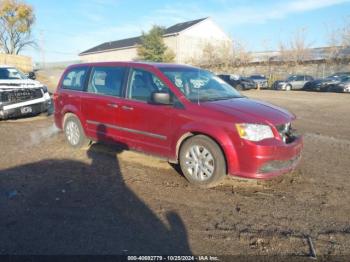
x=55 y=96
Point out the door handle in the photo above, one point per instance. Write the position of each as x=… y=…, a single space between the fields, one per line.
x=112 y=105
x=128 y=108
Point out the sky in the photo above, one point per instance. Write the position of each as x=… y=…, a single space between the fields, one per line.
x=65 y=28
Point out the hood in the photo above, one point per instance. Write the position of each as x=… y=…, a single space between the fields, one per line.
x=251 y=111
x=247 y=80
x=19 y=83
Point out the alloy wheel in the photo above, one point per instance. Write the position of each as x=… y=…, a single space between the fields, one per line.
x=199 y=163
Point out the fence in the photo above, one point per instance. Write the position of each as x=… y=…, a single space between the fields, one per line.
x=281 y=71
x=23 y=63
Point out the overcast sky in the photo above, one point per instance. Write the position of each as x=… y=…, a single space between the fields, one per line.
x=64 y=28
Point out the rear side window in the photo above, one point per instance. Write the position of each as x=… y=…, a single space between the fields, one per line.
x=107 y=81
x=75 y=79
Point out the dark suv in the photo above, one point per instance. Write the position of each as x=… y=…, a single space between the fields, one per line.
x=184 y=114
x=239 y=82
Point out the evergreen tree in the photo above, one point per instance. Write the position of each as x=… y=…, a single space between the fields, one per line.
x=153 y=48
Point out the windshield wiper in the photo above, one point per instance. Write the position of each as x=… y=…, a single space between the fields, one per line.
x=223 y=98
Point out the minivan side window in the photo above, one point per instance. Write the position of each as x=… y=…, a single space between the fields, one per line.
x=75 y=79
x=143 y=83
x=107 y=81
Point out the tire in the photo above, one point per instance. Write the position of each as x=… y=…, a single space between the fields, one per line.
x=331 y=88
x=288 y=87
x=74 y=133
x=202 y=161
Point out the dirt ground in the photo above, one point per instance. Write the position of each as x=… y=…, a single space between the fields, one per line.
x=57 y=200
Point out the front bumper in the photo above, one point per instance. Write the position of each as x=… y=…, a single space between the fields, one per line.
x=280 y=86
x=24 y=110
x=261 y=85
x=249 y=86
x=268 y=160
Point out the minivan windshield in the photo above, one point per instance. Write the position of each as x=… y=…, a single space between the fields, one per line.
x=11 y=73
x=200 y=85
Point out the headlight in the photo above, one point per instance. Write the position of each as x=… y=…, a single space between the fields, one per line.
x=254 y=132
x=44 y=88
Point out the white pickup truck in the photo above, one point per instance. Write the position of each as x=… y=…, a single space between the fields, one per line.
x=21 y=96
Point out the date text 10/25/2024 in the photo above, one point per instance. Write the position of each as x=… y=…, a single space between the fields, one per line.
x=172 y=258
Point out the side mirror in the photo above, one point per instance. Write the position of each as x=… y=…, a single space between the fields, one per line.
x=31 y=75
x=161 y=98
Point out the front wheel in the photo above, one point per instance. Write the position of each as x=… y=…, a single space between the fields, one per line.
x=288 y=88
x=202 y=161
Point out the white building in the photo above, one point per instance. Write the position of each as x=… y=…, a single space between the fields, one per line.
x=186 y=40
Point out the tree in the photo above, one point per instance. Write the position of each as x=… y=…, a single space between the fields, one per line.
x=345 y=34
x=300 y=48
x=223 y=55
x=16 y=21
x=153 y=48
x=297 y=51
x=241 y=57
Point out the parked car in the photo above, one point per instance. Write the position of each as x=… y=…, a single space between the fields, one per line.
x=182 y=113
x=260 y=81
x=294 y=82
x=342 y=87
x=326 y=84
x=21 y=96
x=238 y=82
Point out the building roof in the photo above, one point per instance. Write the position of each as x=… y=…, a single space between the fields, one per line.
x=182 y=26
x=133 y=41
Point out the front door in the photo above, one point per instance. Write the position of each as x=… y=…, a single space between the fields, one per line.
x=146 y=126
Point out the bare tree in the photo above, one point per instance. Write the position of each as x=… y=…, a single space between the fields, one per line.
x=334 y=49
x=345 y=34
x=16 y=21
x=295 y=52
x=223 y=56
x=300 y=48
x=241 y=56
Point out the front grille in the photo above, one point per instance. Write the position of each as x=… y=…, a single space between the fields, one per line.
x=277 y=165
x=21 y=95
x=286 y=132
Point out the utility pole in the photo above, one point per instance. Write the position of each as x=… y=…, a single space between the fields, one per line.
x=42 y=49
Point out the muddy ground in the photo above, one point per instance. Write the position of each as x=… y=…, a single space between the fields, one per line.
x=56 y=200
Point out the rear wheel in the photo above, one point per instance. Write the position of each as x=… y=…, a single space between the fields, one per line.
x=74 y=133
x=202 y=161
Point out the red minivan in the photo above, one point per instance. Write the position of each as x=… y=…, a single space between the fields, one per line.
x=182 y=113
